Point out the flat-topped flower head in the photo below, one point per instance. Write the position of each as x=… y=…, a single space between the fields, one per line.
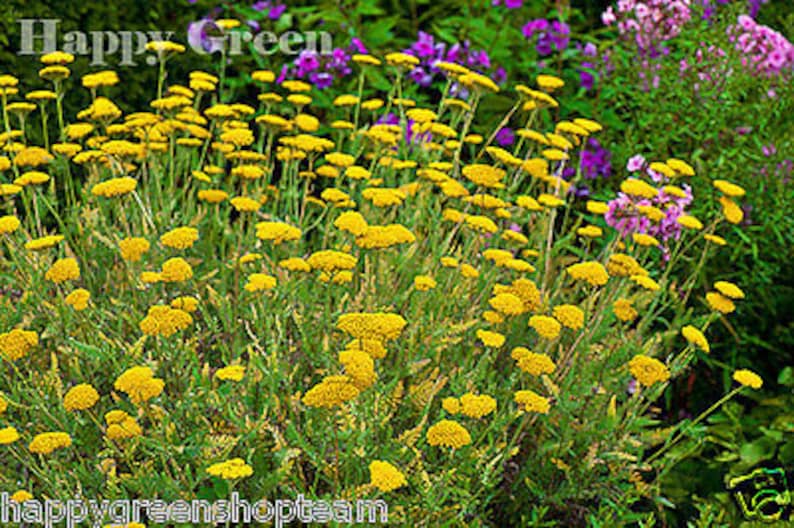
x=385 y=476
x=648 y=370
x=331 y=392
x=180 y=237
x=378 y=325
x=748 y=378
x=233 y=469
x=448 y=433
x=46 y=443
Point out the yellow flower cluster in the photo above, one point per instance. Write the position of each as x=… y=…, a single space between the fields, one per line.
x=165 y=321
x=139 y=384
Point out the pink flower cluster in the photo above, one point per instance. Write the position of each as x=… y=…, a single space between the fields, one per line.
x=624 y=216
x=766 y=51
x=649 y=23
x=709 y=67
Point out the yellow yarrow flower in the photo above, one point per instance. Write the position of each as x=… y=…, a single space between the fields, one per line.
x=748 y=378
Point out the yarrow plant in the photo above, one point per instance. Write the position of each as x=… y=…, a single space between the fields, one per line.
x=277 y=301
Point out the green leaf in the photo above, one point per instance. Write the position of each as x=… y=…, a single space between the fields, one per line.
x=786 y=377
x=758 y=451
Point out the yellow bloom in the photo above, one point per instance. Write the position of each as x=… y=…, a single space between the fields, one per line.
x=646 y=282
x=63 y=270
x=448 y=433
x=729 y=289
x=424 y=283
x=121 y=425
x=729 y=189
x=696 y=337
x=530 y=401
x=132 y=249
x=733 y=213
x=176 y=270
x=373 y=347
x=330 y=392
x=180 y=238
x=507 y=303
x=402 y=60
x=484 y=175
x=330 y=260
x=21 y=496
x=590 y=231
x=9 y=224
x=80 y=397
x=491 y=339
x=231 y=373
x=714 y=239
x=46 y=443
x=549 y=83
x=622 y=265
x=377 y=325
x=385 y=477
x=244 y=204
x=592 y=272
x=624 y=310
x=260 y=282
x=366 y=59
x=720 y=303
x=231 y=469
x=569 y=315
x=359 y=366
x=648 y=370
x=43 y=242
x=78 y=299
x=277 y=232
x=748 y=378
x=638 y=188
x=689 y=222
x=17 y=343
x=643 y=239
x=547 y=327
x=451 y=405
x=8 y=435
x=477 y=406
x=139 y=384
x=532 y=363
x=114 y=187
x=379 y=237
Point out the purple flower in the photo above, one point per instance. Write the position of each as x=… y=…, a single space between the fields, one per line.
x=505 y=137
x=552 y=36
x=424 y=45
x=534 y=26
x=198 y=36
x=430 y=51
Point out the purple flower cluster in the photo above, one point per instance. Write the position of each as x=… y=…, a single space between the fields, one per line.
x=202 y=33
x=428 y=51
x=553 y=35
x=765 y=50
x=322 y=69
x=592 y=63
x=595 y=162
x=624 y=216
x=274 y=9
